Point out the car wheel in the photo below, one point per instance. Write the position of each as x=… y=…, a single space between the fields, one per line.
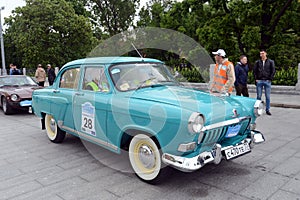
x=54 y=133
x=145 y=159
x=6 y=107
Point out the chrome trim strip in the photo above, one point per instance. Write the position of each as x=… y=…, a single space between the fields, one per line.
x=96 y=140
x=224 y=123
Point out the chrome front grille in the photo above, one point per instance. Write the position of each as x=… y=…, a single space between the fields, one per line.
x=216 y=135
x=212 y=136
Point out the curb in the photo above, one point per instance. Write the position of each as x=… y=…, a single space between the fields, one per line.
x=282 y=105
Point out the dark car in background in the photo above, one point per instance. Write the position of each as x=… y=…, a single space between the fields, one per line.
x=16 y=93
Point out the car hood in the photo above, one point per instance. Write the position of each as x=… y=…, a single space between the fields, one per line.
x=23 y=92
x=215 y=109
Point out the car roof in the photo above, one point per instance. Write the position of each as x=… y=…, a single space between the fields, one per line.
x=110 y=60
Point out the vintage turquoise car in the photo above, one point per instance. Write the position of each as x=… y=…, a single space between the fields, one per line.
x=135 y=104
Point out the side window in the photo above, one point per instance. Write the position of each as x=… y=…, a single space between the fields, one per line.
x=95 y=79
x=70 y=78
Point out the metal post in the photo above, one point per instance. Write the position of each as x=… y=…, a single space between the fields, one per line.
x=298 y=83
x=2 y=45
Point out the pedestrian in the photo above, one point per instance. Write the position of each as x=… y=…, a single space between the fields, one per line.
x=51 y=74
x=223 y=77
x=40 y=75
x=241 y=77
x=14 y=70
x=264 y=71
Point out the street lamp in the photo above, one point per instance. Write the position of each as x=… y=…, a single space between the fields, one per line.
x=2 y=45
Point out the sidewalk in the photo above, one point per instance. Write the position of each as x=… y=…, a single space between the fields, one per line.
x=282 y=100
x=281 y=96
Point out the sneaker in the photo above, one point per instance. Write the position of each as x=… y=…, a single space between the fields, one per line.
x=268 y=113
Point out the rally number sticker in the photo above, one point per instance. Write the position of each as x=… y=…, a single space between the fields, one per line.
x=88 y=119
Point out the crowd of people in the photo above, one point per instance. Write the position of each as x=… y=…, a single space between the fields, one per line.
x=40 y=73
x=226 y=76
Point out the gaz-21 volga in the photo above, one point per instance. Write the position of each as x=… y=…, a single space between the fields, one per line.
x=136 y=105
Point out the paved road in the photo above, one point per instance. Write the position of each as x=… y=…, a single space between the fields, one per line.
x=31 y=167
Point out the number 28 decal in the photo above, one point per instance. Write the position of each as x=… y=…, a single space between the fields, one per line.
x=88 y=119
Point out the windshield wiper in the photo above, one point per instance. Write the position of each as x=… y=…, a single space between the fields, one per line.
x=142 y=84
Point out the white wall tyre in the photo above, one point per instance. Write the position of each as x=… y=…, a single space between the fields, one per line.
x=54 y=133
x=145 y=159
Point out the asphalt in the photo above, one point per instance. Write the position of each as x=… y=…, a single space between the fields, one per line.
x=31 y=167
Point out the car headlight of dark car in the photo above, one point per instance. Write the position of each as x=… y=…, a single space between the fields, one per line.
x=196 y=122
x=14 y=97
x=258 y=108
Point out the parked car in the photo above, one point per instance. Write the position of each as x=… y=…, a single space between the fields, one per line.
x=135 y=104
x=16 y=92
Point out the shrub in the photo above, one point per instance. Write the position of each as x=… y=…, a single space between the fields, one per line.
x=283 y=76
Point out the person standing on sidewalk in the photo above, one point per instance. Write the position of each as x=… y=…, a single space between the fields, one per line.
x=40 y=75
x=264 y=71
x=223 y=78
x=241 y=77
x=51 y=74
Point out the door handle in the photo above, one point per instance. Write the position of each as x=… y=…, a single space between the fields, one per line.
x=79 y=94
x=56 y=91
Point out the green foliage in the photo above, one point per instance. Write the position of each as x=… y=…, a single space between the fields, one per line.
x=192 y=74
x=61 y=30
x=286 y=77
x=48 y=31
x=114 y=16
x=238 y=26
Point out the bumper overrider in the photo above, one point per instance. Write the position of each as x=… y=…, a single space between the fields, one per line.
x=215 y=155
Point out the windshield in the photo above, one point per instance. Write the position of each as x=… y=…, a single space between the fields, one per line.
x=134 y=76
x=16 y=81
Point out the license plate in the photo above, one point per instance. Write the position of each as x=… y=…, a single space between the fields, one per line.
x=25 y=103
x=233 y=131
x=237 y=150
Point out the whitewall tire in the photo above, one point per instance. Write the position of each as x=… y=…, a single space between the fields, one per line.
x=54 y=133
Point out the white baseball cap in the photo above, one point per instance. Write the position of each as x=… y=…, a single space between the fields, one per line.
x=220 y=52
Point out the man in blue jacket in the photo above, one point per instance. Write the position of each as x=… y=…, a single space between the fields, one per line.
x=241 y=77
x=264 y=71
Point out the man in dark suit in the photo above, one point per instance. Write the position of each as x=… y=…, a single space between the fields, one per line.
x=51 y=74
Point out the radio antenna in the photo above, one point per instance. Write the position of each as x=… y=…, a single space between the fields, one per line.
x=137 y=50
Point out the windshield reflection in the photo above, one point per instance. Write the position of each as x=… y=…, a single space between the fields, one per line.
x=16 y=81
x=139 y=75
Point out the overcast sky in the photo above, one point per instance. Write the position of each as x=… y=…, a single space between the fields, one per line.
x=9 y=5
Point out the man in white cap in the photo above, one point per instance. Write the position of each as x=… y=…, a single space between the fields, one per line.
x=224 y=77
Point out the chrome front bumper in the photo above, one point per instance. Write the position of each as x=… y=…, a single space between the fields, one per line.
x=214 y=156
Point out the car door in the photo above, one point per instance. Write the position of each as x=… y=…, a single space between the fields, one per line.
x=90 y=105
x=62 y=98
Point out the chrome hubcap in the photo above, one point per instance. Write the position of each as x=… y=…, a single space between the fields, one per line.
x=52 y=125
x=147 y=157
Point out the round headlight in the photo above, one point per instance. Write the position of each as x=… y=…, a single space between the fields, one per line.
x=196 y=122
x=14 y=97
x=258 y=108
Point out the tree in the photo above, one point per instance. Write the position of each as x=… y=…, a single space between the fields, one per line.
x=48 y=31
x=113 y=16
x=240 y=26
